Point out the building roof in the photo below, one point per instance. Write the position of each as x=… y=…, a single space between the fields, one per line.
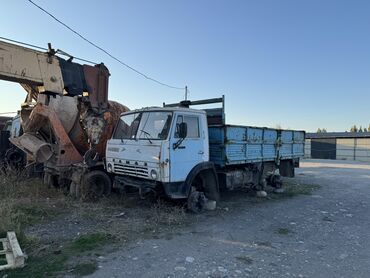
x=338 y=135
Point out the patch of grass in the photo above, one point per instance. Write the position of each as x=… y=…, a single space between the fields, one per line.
x=245 y=259
x=47 y=265
x=25 y=202
x=283 y=231
x=55 y=260
x=90 y=242
x=292 y=188
x=83 y=269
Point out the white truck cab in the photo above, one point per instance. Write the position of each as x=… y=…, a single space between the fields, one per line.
x=154 y=147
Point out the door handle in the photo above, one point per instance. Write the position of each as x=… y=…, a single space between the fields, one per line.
x=201 y=152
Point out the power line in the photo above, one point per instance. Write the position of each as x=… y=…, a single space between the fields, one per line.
x=45 y=49
x=103 y=50
x=23 y=43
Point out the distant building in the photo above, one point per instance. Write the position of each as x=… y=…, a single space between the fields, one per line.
x=338 y=145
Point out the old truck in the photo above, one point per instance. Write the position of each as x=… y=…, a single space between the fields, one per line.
x=191 y=154
x=5 y=126
x=66 y=117
x=10 y=156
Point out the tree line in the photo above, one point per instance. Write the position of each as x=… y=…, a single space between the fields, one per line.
x=353 y=128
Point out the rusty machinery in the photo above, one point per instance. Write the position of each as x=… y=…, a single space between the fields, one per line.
x=66 y=117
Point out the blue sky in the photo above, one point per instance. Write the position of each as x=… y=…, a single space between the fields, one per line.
x=299 y=64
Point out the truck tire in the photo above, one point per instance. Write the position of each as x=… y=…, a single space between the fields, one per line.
x=196 y=201
x=14 y=159
x=204 y=187
x=95 y=184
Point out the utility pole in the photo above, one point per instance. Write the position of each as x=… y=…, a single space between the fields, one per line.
x=186 y=92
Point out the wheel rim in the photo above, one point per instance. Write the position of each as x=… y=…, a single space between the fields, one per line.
x=196 y=201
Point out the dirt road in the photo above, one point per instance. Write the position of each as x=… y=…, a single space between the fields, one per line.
x=325 y=234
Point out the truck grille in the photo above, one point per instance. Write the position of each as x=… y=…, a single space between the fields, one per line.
x=131 y=170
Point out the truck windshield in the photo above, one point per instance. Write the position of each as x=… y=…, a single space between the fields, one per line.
x=144 y=125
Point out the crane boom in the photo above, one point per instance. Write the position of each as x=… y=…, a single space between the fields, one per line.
x=27 y=66
x=44 y=72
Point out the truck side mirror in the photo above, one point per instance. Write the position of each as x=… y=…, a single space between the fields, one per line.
x=182 y=130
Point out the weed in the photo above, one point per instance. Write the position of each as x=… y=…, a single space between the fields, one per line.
x=292 y=189
x=167 y=214
x=244 y=259
x=264 y=243
x=327 y=219
x=83 y=269
x=24 y=202
x=283 y=231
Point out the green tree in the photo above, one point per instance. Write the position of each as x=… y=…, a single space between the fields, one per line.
x=321 y=130
x=354 y=129
x=360 y=129
x=365 y=130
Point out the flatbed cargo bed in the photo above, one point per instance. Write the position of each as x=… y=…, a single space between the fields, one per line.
x=237 y=145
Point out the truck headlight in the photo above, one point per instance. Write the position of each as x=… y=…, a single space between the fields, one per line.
x=109 y=167
x=153 y=174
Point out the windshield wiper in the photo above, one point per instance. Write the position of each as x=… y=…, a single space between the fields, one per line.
x=147 y=135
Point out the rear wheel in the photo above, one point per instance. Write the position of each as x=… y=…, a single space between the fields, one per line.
x=95 y=185
x=14 y=159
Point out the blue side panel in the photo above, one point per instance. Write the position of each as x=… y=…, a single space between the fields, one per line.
x=254 y=152
x=236 y=134
x=235 y=153
x=270 y=136
x=298 y=150
x=298 y=136
x=216 y=135
x=287 y=136
x=217 y=154
x=269 y=151
x=254 y=135
x=286 y=150
x=233 y=145
x=298 y=143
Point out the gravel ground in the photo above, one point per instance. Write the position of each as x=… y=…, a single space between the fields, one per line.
x=325 y=234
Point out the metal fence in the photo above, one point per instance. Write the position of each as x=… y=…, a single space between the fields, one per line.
x=343 y=148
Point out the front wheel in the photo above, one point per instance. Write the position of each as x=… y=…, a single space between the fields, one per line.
x=204 y=193
x=95 y=185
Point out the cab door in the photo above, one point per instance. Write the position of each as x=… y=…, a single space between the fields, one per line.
x=190 y=151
